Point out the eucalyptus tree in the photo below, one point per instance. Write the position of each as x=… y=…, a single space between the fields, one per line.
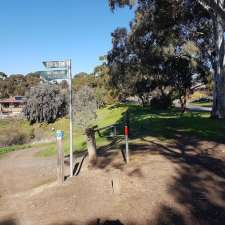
x=85 y=107
x=201 y=21
x=45 y=103
x=149 y=57
x=127 y=74
x=216 y=17
x=18 y=84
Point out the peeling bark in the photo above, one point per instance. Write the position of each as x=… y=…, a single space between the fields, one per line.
x=91 y=146
x=219 y=75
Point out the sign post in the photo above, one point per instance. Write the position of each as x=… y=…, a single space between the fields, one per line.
x=62 y=74
x=60 y=156
x=126 y=131
x=70 y=115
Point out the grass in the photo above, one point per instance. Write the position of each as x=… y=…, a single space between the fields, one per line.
x=5 y=150
x=144 y=123
x=202 y=104
x=106 y=116
x=165 y=125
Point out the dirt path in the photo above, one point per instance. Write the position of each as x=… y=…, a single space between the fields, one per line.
x=162 y=185
x=21 y=172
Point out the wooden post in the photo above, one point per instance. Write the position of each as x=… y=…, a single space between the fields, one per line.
x=60 y=156
x=114 y=130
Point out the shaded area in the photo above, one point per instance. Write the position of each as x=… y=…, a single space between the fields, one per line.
x=8 y=222
x=168 y=216
x=106 y=154
x=198 y=186
x=167 y=124
x=93 y=222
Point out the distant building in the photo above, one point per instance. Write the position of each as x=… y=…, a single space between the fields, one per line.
x=12 y=106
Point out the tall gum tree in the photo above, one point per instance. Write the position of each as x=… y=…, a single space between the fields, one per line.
x=216 y=12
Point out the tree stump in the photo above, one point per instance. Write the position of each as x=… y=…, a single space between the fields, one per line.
x=91 y=146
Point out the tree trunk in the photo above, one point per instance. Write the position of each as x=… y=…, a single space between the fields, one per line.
x=91 y=145
x=142 y=101
x=183 y=103
x=219 y=73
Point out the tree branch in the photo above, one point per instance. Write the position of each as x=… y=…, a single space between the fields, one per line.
x=213 y=5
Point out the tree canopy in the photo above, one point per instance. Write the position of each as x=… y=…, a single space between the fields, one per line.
x=167 y=33
x=85 y=107
x=45 y=103
x=156 y=54
x=18 y=84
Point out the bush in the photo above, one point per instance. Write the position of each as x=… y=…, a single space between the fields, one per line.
x=45 y=103
x=85 y=107
x=14 y=137
x=161 y=102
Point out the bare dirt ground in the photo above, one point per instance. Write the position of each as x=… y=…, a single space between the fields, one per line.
x=178 y=183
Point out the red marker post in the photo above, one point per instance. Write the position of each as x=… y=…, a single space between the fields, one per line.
x=126 y=131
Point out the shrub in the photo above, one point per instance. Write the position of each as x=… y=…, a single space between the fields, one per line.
x=14 y=137
x=161 y=102
x=45 y=103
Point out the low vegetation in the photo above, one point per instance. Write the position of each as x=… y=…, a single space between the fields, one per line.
x=203 y=104
x=44 y=132
x=45 y=103
x=15 y=132
x=144 y=123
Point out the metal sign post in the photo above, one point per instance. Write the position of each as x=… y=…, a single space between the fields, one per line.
x=70 y=115
x=63 y=74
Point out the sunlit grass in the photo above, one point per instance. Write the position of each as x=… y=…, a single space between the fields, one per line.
x=144 y=123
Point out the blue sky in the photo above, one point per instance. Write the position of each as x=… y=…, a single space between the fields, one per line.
x=35 y=30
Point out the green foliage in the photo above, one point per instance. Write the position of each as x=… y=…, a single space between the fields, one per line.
x=18 y=84
x=83 y=79
x=15 y=132
x=99 y=82
x=161 y=102
x=4 y=150
x=105 y=117
x=144 y=123
x=166 y=125
x=85 y=107
x=120 y=3
x=158 y=52
x=15 y=138
x=45 y=103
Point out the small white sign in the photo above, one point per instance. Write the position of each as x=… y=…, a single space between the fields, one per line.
x=59 y=135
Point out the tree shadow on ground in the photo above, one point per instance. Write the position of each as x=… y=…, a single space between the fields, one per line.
x=93 y=222
x=8 y=222
x=198 y=185
x=169 y=124
x=106 y=154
